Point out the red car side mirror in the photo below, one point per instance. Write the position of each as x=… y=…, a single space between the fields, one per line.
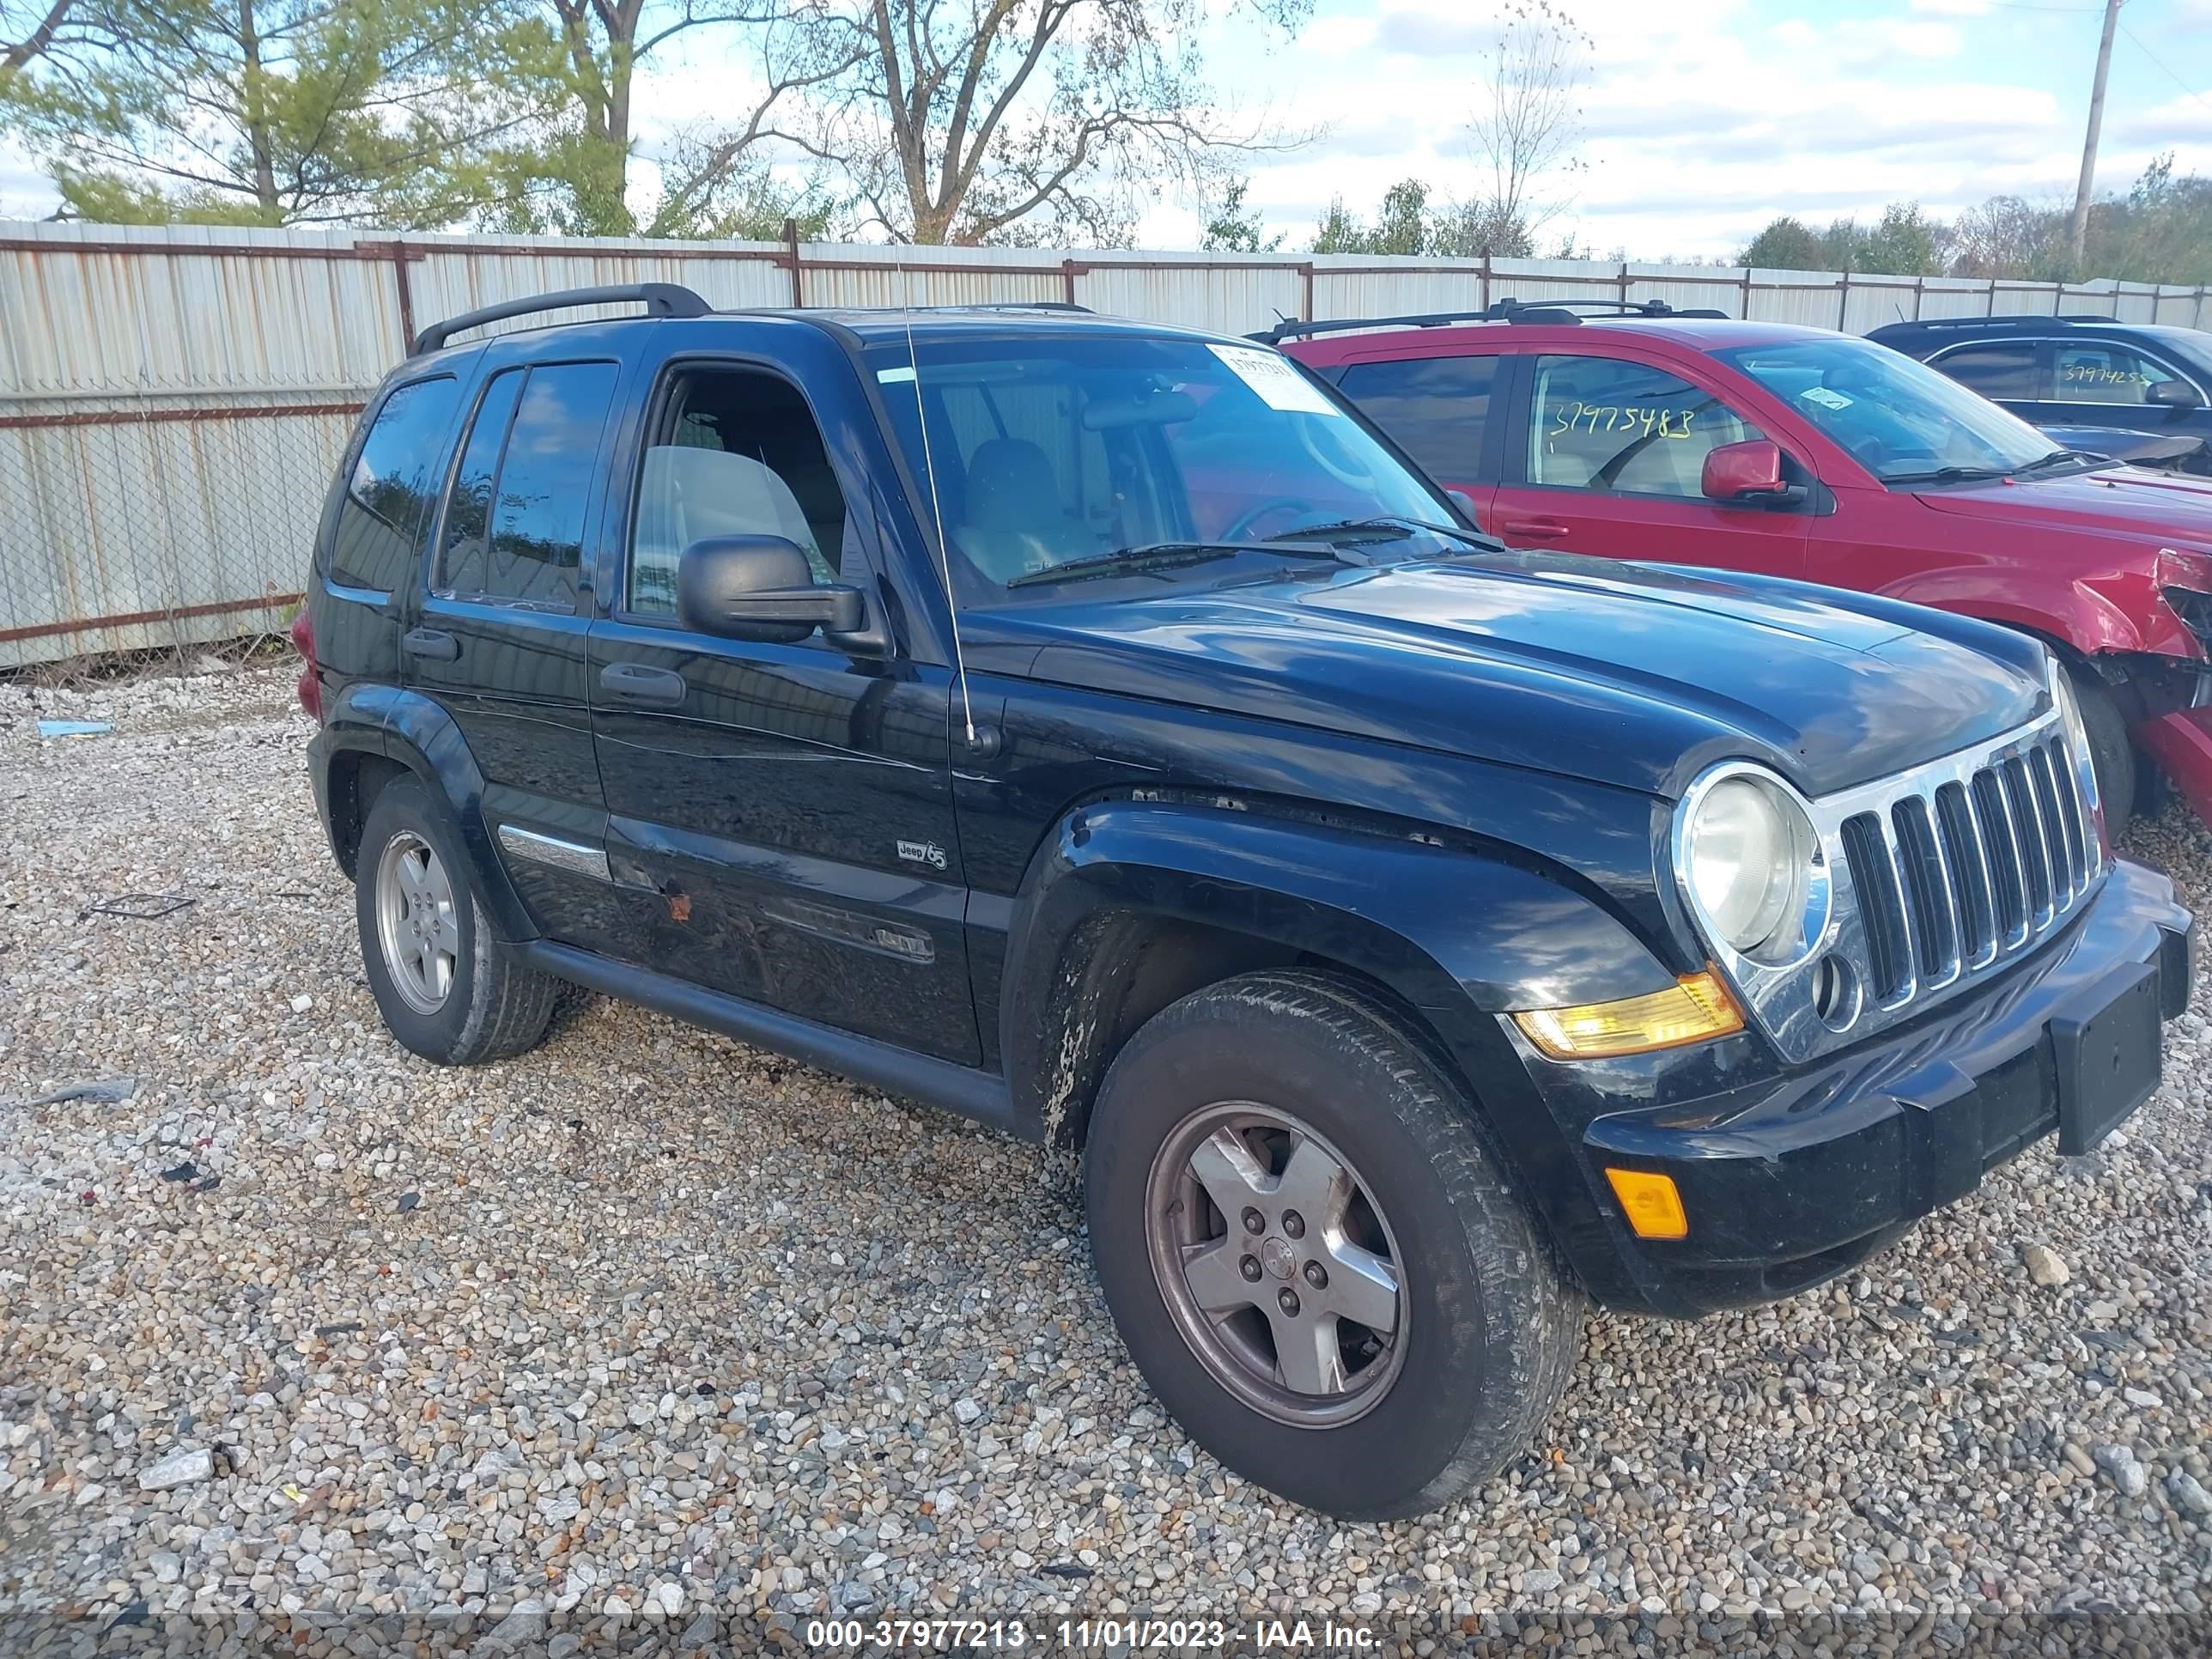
x=1735 y=470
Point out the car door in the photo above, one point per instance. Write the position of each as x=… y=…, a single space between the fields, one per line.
x=779 y=815
x=1439 y=410
x=1604 y=454
x=2112 y=383
x=496 y=634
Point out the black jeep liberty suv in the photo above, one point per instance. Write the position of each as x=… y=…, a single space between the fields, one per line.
x=1099 y=730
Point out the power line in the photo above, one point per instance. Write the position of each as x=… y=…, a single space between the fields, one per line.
x=2159 y=63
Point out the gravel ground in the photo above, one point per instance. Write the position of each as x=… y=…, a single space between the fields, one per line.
x=653 y=1338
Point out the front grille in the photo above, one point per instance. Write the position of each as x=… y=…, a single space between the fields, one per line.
x=1954 y=870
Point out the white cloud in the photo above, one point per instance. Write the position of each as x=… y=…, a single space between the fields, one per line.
x=1951 y=8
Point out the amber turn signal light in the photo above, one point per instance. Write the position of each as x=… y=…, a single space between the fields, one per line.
x=1649 y=1201
x=1695 y=1007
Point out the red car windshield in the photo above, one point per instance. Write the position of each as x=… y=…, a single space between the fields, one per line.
x=1904 y=422
x=1056 y=450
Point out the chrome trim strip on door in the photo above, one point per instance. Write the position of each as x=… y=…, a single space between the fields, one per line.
x=571 y=856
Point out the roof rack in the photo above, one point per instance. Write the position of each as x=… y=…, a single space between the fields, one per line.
x=1505 y=311
x=2000 y=324
x=1009 y=304
x=660 y=300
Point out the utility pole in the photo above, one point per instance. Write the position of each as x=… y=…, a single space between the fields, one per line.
x=2081 y=228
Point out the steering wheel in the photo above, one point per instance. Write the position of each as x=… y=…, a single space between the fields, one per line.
x=1240 y=528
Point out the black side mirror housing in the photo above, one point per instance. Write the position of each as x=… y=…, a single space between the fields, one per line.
x=760 y=587
x=2175 y=395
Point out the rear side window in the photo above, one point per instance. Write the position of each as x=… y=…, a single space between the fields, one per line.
x=514 y=531
x=1435 y=407
x=393 y=487
x=1995 y=371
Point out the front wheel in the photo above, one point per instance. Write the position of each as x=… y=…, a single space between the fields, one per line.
x=1316 y=1262
x=2111 y=750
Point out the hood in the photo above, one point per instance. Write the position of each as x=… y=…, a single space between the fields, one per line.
x=2163 y=505
x=1639 y=676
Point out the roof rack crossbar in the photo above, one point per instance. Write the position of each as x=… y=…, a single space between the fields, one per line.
x=1504 y=310
x=660 y=300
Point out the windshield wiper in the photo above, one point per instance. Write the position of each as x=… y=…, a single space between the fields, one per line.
x=1947 y=475
x=1391 y=526
x=2059 y=457
x=1164 y=556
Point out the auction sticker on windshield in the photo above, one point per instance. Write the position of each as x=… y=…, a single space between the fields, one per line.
x=1279 y=386
x=1826 y=399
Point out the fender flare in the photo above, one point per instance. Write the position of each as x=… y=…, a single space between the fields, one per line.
x=1457 y=935
x=411 y=731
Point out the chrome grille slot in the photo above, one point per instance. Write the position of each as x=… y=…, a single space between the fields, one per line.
x=1881 y=907
x=2054 y=829
x=2027 y=832
x=1970 y=874
x=1927 y=893
x=1995 y=826
x=2071 y=817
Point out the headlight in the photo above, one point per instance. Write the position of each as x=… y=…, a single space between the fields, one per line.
x=1750 y=863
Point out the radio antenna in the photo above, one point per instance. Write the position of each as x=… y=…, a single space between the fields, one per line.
x=936 y=506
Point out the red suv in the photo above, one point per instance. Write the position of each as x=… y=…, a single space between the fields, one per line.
x=1637 y=432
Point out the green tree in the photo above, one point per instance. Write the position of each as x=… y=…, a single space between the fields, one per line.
x=1008 y=119
x=1235 y=228
x=1786 y=243
x=271 y=112
x=578 y=61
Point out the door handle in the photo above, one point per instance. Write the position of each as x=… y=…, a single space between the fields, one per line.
x=634 y=681
x=433 y=643
x=1535 y=530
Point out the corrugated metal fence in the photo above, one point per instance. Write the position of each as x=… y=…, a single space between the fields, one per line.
x=173 y=401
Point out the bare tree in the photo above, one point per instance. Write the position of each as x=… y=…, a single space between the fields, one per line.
x=992 y=120
x=1529 y=123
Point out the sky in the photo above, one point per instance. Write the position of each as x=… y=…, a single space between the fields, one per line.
x=1702 y=119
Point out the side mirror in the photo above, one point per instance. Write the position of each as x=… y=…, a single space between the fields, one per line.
x=760 y=587
x=1465 y=503
x=2177 y=395
x=1745 y=472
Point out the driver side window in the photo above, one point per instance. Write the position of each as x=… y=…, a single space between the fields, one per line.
x=736 y=454
x=2106 y=375
x=1602 y=423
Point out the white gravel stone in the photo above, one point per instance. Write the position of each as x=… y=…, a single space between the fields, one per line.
x=2045 y=1267
x=179 y=1468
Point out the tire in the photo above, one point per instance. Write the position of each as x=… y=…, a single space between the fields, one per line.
x=492 y=1007
x=1484 y=1325
x=2110 y=751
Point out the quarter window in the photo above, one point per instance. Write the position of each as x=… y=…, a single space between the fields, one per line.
x=393 y=487
x=1997 y=372
x=1602 y=423
x=1435 y=407
x=2106 y=375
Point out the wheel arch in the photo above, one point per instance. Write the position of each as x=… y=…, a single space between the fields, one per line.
x=373 y=734
x=1132 y=906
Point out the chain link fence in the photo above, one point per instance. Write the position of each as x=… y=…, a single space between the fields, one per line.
x=157 y=530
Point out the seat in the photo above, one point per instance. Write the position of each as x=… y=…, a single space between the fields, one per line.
x=689 y=493
x=1015 y=522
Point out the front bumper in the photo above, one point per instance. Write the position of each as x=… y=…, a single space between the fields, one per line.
x=2181 y=743
x=1800 y=1178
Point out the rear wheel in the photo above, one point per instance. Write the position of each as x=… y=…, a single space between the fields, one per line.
x=2111 y=750
x=1313 y=1257
x=448 y=988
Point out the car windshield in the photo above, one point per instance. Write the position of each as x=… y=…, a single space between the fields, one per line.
x=1904 y=422
x=1132 y=456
